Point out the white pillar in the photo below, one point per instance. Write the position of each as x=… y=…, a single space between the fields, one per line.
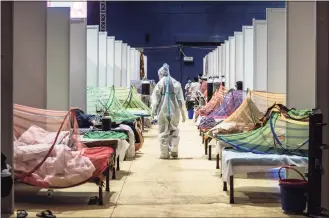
x=124 y=65
x=78 y=60
x=118 y=63
x=248 y=57
x=102 y=58
x=260 y=55
x=110 y=65
x=227 y=63
x=232 y=62
x=30 y=35
x=92 y=56
x=238 y=56
x=276 y=50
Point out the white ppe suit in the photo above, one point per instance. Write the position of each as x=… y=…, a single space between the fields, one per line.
x=168 y=106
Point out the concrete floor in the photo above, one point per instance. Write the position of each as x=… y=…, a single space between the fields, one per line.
x=150 y=187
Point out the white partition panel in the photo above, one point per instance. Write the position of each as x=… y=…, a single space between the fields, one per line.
x=30 y=34
x=238 y=56
x=260 y=55
x=232 y=62
x=219 y=60
x=248 y=57
x=128 y=66
x=211 y=64
x=102 y=58
x=138 y=62
x=216 y=62
x=92 y=56
x=227 y=63
x=204 y=65
x=276 y=50
x=223 y=59
x=124 y=65
x=145 y=65
x=301 y=55
x=133 y=64
x=78 y=63
x=118 y=63
x=110 y=66
x=58 y=58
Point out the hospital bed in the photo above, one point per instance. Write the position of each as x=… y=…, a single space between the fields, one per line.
x=236 y=162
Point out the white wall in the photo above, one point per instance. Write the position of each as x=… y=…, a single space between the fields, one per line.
x=248 y=57
x=276 y=50
x=223 y=61
x=118 y=63
x=30 y=53
x=124 y=65
x=78 y=63
x=301 y=54
x=110 y=60
x=227 y=64
x=92 y=56
x=102 y=59
x=260 y=55
x=58 y=58
x=232 y=62
x=238 y=56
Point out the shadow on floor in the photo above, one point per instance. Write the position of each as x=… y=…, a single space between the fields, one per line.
x=61 y=199
x=122 y=173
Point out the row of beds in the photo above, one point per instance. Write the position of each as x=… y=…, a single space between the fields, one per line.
x=231 y=162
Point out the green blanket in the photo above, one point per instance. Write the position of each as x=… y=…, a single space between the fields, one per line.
x=105 y=135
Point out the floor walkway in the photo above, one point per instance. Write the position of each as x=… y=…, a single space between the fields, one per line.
x=150 y=187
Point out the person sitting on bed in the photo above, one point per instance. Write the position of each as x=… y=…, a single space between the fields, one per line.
x=84 y=120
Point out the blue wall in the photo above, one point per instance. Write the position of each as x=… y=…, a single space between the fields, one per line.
x=169 y=22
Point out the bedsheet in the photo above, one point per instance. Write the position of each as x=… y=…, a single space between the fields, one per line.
x=235 y=162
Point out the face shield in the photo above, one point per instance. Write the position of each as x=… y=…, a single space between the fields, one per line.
x=163 y=71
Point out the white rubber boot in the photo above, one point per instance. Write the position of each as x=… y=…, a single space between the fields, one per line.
x=164 y=152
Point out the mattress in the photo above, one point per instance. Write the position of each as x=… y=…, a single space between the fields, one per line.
x=236 y=162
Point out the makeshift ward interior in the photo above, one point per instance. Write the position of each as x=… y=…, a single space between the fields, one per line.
x=102 y=116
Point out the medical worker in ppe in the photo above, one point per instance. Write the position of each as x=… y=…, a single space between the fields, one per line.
x=168 y=105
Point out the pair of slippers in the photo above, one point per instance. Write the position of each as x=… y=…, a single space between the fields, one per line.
x=42 y=214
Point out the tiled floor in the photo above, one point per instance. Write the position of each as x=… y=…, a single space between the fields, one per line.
x=150 y=187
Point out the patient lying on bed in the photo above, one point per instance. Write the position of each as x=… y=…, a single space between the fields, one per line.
x=84 y=120
x=62 y=168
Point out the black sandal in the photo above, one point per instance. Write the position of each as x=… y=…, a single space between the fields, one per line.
x=93 y=200
x=21 y=214
x=46 y=214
